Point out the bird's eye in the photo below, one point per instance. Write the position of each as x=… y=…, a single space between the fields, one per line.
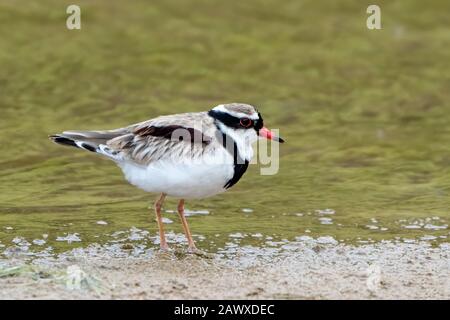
x=246 y=122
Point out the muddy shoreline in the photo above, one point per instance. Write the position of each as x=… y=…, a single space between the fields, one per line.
x=298 y=270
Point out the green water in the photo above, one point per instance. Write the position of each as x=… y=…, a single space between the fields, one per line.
x=365 y=115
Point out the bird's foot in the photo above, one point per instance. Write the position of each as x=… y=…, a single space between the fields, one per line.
x=200 y=253
x=192 y=249
x=164 y=247
x=166 y=253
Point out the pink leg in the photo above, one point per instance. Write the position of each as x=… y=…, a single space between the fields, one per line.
x=162 y=236
x=186 y=226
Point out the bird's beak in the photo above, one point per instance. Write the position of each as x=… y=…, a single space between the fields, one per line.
x=266 y=133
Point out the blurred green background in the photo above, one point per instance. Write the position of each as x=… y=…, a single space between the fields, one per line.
x=365 y=113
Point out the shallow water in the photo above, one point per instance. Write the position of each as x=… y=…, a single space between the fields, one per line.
x=366 y=120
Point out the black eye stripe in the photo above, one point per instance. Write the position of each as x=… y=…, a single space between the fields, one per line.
x=232 y=121
x=235 y=122
x=225 y=118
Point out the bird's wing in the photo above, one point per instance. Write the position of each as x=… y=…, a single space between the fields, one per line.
x=166 y=137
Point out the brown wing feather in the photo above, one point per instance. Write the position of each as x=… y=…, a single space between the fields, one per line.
x=172 y=136
x=174 y=132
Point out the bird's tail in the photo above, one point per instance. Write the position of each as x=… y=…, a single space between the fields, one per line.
x=87 y=140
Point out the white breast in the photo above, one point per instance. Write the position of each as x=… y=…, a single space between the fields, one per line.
x=183 y=178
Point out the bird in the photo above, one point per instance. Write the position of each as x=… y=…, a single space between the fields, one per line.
x=187 y=156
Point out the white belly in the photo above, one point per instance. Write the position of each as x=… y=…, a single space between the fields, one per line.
x=180 y=179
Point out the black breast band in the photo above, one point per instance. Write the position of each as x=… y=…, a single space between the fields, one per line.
x=240 y=165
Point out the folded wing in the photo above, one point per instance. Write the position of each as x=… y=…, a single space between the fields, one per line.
x=174 y=136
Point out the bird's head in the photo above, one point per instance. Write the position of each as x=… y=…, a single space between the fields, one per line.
x=241 y=122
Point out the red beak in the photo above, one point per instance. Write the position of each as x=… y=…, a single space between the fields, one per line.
x=266 y=133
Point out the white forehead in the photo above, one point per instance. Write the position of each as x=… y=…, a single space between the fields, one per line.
x=238 y=110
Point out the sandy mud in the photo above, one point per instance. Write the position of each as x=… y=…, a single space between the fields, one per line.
x=304 y=269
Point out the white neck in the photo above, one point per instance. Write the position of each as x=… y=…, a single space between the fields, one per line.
x=242 y=138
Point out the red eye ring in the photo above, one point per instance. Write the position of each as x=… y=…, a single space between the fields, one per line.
x=246 y=122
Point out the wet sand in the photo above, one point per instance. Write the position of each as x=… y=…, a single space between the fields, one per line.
x=299 y=270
